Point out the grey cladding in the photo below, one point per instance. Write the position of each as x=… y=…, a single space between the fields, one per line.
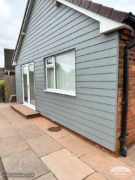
x=51 y=30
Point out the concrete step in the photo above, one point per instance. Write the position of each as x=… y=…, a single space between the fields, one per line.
x=25 y=111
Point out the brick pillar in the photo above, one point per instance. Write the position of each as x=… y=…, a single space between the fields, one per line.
x=124 y=37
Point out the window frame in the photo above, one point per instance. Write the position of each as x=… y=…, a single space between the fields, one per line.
x=55 y=90
x=49 y=66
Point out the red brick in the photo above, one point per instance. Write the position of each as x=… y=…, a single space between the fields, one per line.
x=126 y=36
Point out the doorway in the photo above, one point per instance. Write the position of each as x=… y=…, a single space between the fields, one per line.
x=28 y=84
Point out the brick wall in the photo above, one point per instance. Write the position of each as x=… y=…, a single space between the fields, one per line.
x=126 y=36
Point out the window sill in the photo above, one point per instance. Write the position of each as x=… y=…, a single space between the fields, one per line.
x=58 y=91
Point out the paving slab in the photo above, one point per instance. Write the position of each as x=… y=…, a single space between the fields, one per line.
x=108 y=167
x=2 y=171
x=130 y=159
x=4 y=124
x=21 y=124
x=66 y=166
x=7 y=132
x=44 y=145
x=68 y=155
x=75 y=144
x=48 y=176
x=12 y=145
x=13 y=116
x=95 y=176
x=42 y=122
x=56 y=135
x=24 y=162
x=30 y=131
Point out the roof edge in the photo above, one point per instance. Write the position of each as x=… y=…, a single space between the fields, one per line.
x=24 y=22
x=106 y=24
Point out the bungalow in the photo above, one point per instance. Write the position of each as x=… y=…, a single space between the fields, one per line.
x=75 y=64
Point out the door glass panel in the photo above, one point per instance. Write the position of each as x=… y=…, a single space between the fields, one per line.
x=31 y=84
x=25 y=82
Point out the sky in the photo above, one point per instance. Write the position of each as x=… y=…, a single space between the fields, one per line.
x=11 y=15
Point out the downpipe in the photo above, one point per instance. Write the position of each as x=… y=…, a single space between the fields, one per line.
x=123 y=148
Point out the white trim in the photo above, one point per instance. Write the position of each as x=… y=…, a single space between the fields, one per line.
x=29 y=105
x=54 y=72
x=55 y=90
x=59 y=91
x=106 y=24
x=28 y=86
x=50 y=66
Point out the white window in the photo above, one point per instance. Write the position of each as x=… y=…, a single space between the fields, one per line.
x=60 y=73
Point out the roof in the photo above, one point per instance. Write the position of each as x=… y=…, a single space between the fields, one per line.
x=102 y=10
x=108 y=12
x=118 y=19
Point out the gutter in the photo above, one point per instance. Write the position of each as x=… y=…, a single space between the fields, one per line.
x=123 y=149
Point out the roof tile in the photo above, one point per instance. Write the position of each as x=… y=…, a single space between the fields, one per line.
x=85 y=4
x=100 y=9
x=105 y=11
x=95 y=7
x=77 y=2
x=118 y=15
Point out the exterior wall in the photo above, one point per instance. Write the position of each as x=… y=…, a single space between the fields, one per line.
x=52 y=30
x=125 y=36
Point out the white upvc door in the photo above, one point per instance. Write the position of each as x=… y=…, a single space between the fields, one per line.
x=28 y=85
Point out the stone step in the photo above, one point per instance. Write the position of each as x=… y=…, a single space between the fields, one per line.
x=25 y=111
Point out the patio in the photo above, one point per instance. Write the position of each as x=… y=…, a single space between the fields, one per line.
x=28 y=150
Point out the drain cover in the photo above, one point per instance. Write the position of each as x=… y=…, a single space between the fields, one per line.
x=54 y=129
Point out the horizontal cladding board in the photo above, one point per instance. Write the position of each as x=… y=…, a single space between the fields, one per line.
x=97 y=63
x=70 y=37
x=97 y=77
x=73 y=38
x=37 y=55
x=92 y=112
x=58 y=118
x=99 y=92
x=72 y=120
x=46 y=16
x=90 y=39
x=85 y=97
x=83 y=84
x=88 y=119
x=39 y=10
x=102 y=114
x=99 y=85
x=98 y=70
x=46 y=31
x=75 y=103
x=96 y=92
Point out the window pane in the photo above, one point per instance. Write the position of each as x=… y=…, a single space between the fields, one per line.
x=31 y=79
x=25 y=88
x=50 y=77
x=65 y=71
